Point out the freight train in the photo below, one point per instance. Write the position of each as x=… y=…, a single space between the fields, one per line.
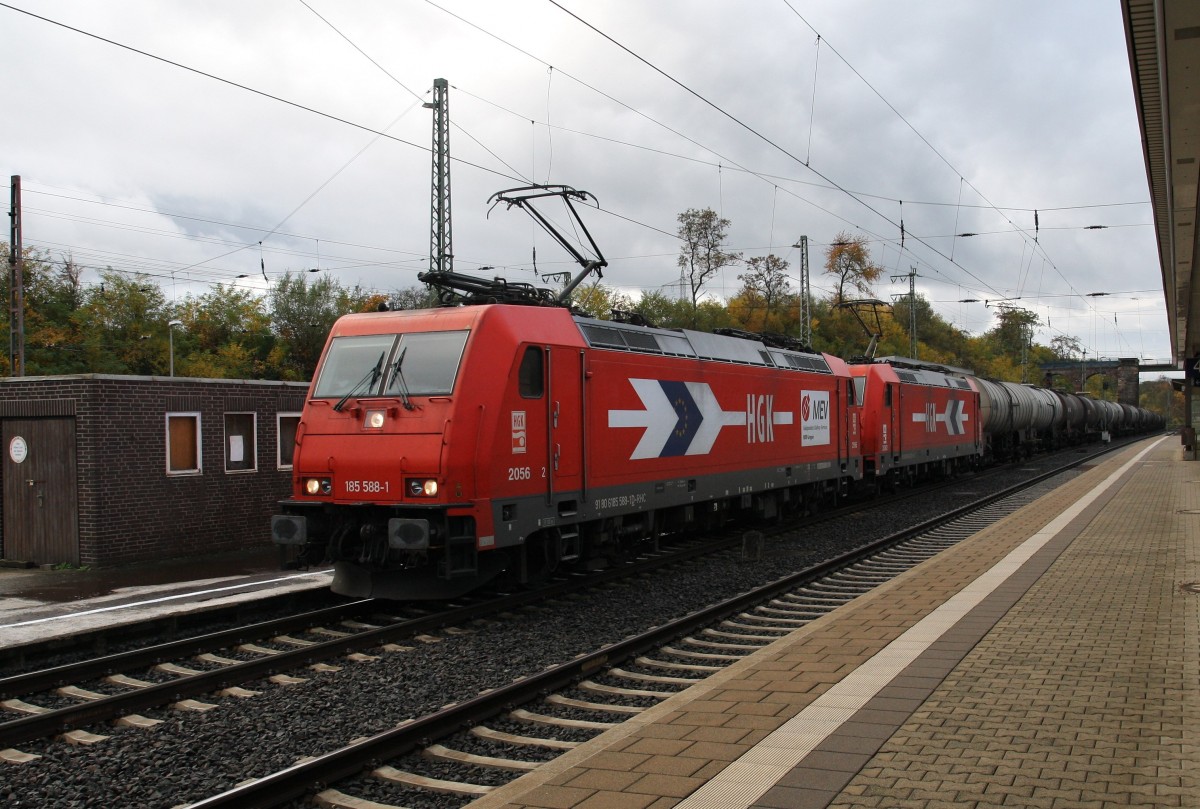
x=443 y=448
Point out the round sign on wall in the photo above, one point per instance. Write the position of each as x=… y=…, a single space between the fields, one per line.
x=18 y=450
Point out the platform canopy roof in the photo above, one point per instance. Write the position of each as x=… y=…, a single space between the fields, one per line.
x=1164 y=59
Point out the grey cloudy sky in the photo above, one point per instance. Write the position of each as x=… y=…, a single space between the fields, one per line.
x=953 y=117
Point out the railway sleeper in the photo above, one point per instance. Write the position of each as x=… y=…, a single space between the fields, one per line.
x=438 y=752
x=651 y=662
x=523 y=715
x=75 y=692
x=712 y=644
x=671 y=650
x=600 y=707
x=655 y=678
x=781 y=623
x=600 y=688
x=23 y=707
x=736 y=625
x=516 y=739
x=408 y=779
x=716 y=633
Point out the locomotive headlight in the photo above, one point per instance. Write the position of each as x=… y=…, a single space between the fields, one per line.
x=374 y=419
x=421 y=487
x=315 y=486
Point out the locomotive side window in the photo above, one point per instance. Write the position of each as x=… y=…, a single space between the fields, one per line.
x=860 y=389
x=183 y=444
x=887 y=396
x=531 y=374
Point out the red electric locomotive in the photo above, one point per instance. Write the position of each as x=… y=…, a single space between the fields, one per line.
x=917 y=418
x=440 y=448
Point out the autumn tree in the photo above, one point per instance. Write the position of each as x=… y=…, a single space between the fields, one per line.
x=702 y=254
x=52 y=295
x=598 y=300
x=764 y=294
x=422 y=297
x=302 y=314
x=226 y=334
x=849 y=261
x=1066 y=347
x=663 y=311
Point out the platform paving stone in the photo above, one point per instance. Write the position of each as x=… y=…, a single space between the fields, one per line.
x=1076 y=683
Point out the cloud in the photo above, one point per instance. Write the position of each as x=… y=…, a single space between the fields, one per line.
x=1028 y=106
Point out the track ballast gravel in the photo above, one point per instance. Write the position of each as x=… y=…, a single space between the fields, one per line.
x=194 y=755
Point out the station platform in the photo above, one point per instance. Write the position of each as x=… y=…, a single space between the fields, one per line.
x=1051 y=660
x=38 y=604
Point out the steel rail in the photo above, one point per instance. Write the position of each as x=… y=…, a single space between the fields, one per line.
x=34 y=726
x=31 y=682
x=286 y=785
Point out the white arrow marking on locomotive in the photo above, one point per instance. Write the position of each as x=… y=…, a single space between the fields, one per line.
x=714 y=418
x=659 y=418
x=954 y=418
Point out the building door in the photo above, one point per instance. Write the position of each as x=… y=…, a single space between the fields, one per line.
x=40 y=509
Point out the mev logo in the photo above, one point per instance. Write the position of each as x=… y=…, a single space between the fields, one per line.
x=814 y=418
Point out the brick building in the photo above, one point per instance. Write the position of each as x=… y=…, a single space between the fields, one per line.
x=103 y=470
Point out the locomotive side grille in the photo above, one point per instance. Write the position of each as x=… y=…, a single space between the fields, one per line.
x=601 y=336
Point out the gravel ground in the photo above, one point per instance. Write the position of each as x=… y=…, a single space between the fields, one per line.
x=193 y=755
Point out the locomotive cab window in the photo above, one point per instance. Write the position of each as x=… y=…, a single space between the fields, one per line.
x=530 y=376
x=418 y=364
x=426 y=363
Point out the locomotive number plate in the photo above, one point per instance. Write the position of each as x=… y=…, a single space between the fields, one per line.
x=366 y=487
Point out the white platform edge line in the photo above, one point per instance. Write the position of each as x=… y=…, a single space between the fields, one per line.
x=719 y=790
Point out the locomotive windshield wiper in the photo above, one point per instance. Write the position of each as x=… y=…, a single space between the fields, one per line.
x=398 y=381
x=366 y=382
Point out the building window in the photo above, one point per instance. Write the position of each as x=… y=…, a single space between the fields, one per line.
x=241 y=451
x=286 y=424
x=183 y=444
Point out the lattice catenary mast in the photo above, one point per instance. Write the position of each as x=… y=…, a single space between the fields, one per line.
x=441 y=242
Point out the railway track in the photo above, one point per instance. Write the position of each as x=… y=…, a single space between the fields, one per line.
x=69 y=698
x=597 y=690
x=223 y=662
